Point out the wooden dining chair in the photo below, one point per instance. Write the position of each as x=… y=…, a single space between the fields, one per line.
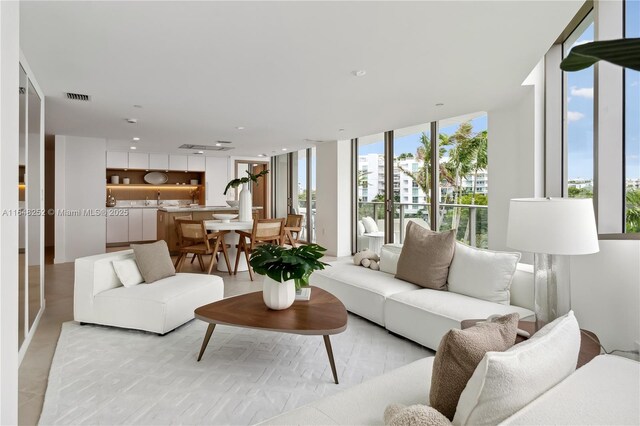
x=292 y=226
x=175 y=225
x=195 y=239
x=264 y=231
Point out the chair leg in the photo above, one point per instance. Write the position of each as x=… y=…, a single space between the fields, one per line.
x=213 y=262
x=246 y=255
x=226 y=257
x=193 y=258
x=240 y=249
x=175 y=265
x=201 y=262
x=181 y=262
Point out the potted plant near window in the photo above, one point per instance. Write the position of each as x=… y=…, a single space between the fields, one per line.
x=244 y=199
x=285 y=270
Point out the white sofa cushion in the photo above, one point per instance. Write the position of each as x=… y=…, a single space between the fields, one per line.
x=483 y=274
x=363 y=291
x=389 y=255
x=605 y=391
x=361 y=228
x=364 y=404
x=505 y=382
x=127 y=272
x=426 y=315
x=370 y=225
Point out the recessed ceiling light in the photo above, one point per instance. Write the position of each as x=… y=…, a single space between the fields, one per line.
x=341 y=130
x=137 y=106
x=136 y=139
x=262 y=155
x=133 y=147
x=132 y=120
x=240 y=127
x=284 y=149
x=439 y=104
x=218 y=144
x=200 y=152
x=359 y=73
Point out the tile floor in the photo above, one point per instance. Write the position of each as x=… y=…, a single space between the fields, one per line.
x=34 y=370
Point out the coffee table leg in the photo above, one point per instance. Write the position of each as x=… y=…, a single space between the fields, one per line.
x=327 y=344
x=207 y=337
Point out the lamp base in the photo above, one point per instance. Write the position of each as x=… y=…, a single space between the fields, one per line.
x=552 y=297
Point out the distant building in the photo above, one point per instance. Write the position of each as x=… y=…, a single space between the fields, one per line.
x=404 y=187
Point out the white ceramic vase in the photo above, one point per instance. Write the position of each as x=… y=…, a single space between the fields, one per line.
x=278 y=296
x=244 y=204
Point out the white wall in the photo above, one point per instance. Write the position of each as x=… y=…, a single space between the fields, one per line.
x=80 y=183
x=605 y=293
x=9 y=60
x=333 y=197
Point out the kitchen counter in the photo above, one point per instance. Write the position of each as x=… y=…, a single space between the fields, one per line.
x=172 y=209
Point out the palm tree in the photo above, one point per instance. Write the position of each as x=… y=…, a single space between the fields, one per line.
x=633 y=210
x=479 y=145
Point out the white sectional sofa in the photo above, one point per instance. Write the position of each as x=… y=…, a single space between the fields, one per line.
x=605 y=391
x=420 y=314
x=159 y=307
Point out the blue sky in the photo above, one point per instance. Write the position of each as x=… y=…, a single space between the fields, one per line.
x=410 y=143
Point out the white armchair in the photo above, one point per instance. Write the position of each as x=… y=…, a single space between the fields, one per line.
x=100 y=298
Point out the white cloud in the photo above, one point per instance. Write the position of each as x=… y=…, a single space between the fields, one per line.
x=574 y=115
x=583 y=92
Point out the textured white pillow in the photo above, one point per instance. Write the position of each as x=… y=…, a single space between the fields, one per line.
x=483 y=274
x=504 y=382
x=370 y=225
x=389 y=255
x=361 y=229
x=128 y=272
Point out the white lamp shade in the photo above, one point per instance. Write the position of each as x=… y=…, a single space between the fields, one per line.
x=562 y=226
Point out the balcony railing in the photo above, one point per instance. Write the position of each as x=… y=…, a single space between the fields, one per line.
x=470 y=220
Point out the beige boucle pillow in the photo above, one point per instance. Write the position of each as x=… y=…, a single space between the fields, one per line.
x=414 y=415
x=426 y=257
x=154 y=261
x=458 y=355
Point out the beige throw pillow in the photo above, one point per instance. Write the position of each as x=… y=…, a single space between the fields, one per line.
x=413 y=415
x=154 y=261
x=459 y=354
x=426 y=257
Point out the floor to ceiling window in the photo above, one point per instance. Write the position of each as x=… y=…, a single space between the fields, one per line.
x=632 y=125
x=411 y=177
x=578 y=118
x=306 y=192
x=464 y=186
x=370 y=182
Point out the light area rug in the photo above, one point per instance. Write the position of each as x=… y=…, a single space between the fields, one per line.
x=102 y=375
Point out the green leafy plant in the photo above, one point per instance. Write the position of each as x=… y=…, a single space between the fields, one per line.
x=251 y=178
x=624 y=52
x=283 y=264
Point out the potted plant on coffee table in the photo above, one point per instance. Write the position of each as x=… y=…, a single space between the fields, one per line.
x=285 y=270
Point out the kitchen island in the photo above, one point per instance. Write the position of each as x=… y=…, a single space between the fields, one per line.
x=167 y=219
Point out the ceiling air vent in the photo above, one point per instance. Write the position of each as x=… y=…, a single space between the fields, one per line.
x=77 y=97
x=205 y=147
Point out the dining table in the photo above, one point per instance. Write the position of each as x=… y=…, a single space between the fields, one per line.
x=231 y=239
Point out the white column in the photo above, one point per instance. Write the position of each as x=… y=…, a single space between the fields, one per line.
x=333 y=198
x=9 y=82
x=608 y=133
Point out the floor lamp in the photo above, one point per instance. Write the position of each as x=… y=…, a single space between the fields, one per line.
x=549 y=227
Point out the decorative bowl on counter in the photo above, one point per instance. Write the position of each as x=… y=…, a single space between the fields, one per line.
x=225 y=218
x=156 y=178
x=232 y=203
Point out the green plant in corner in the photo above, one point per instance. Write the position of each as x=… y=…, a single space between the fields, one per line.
x=283 y=264
x=251 y=178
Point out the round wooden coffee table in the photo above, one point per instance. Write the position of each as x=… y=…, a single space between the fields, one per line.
x=322 y=315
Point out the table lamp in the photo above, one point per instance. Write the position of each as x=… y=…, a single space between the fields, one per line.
x=549 y=227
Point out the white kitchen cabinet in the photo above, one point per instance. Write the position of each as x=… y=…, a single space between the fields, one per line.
x=149 y=224
x=138 y=161
x=158 y=162
x=196 y=163
x=117 y=229
x=178 y=162
x=216 y=178
x=117 y=160
x=135 y=225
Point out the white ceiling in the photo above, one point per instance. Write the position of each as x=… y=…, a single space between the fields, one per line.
x=283 y=70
